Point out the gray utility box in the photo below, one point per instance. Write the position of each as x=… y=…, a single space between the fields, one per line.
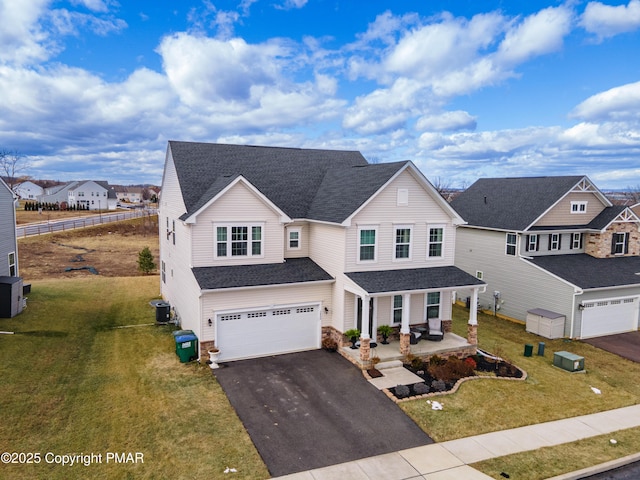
x=568 y=361
x=545 y=323
x=11 y=299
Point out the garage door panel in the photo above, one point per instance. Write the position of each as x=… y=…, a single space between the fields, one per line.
x=268 y=331
x=609 y=316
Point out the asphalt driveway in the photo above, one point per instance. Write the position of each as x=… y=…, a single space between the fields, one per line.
x=626 y=345
x=313 y=409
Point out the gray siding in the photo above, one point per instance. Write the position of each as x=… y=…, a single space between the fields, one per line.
x=522 y=285
x=543 y=239
x=7 y=229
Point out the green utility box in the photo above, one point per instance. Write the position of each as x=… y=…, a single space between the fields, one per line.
x=186 y=347
x=568 y=361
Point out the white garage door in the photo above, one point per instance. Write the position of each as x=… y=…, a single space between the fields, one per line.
x=609 y=316
x=269 y=331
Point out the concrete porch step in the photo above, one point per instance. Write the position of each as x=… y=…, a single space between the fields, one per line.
x=389 y=364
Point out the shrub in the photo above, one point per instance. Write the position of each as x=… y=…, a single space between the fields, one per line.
x=421 y=388
x=328 y=343
x=417 y=363
x=436 y=360
x=402 y=391
x=438 y=385
x=145 y=261
x=471 y=362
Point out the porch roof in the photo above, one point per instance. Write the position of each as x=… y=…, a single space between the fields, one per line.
x=293 y=270
x=408 y=279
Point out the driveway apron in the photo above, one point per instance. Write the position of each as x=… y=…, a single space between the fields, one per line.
x=314 y=409
x=626 y=345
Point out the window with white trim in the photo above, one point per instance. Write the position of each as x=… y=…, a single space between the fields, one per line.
x=479 y=274
x=163 y=269
x=367 y=247
x=433 y=305
x=579 y=207
x=435 y=246
x=293 y=238
x=239 y=241
x=576 y=240
x=511 y=246
x=12 y=264
x=620 y=243
x=402 y=242
x=554 y=241
x=532 y=243
x=396 y=311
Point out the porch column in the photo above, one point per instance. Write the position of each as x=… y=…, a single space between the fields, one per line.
x=472 y=327
x=405 y=343
x=365 y=335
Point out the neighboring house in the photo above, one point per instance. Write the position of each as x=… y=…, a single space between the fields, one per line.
x=28 y=190
x=88 y=194
x=267 y=250
x=11 y=301
x=128 y=194
x=555 y=245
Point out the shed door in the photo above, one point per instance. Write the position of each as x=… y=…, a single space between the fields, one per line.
x=268 y=331
x=609 y=316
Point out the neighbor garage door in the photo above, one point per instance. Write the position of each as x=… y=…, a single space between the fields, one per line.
x=609 y=316
x=268 y=331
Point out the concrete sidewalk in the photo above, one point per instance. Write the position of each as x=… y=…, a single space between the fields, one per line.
x=449 y=460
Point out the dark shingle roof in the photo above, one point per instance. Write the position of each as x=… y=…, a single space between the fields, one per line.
x=511 y=203
x=605 y=217
x=587 y=272
x=325 y=185
x=294 y=270
x=413 y=279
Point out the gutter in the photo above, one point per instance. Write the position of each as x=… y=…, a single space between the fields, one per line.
x=255 y=287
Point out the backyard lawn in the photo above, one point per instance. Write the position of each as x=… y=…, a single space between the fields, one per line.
x=73 y=383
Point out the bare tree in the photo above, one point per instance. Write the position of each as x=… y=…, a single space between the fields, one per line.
x=11 y=165
x=633 y=194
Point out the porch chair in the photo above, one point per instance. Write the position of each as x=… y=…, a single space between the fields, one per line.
x=436 y=330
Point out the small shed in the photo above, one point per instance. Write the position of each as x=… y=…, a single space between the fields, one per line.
x=545 y=323
x=11 y=301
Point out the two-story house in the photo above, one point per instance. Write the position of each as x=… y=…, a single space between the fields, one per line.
x=28 y=190
x=267 y=250
x=86 y=194
x=10 y=283
x=552 y=248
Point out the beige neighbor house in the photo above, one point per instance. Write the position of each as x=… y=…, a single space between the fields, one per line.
x=554 y=252
x=267 y=250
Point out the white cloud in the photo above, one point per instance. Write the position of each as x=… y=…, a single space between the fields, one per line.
x=290 y=4
x=21 y=36
x=619 y=103
x=606 y=20
x=447 y=121
x=538 y=34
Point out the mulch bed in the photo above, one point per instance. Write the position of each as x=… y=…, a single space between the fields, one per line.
x=483 y=366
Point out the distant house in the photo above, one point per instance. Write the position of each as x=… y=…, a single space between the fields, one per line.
x=28 y=190
x=268 y=250
x=11 y=301
x=128 y=194
x=88 y=194
x=553 y=250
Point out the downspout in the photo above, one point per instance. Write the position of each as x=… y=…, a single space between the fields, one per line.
x=576 y=292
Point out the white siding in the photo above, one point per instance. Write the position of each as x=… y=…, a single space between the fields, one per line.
x=238 y=205
x=383 y=211
x=213 y=302
x=303 y=251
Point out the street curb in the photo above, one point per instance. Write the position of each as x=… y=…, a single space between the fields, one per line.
x=603 y=467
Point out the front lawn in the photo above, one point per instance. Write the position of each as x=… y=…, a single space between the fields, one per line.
x=73 y=383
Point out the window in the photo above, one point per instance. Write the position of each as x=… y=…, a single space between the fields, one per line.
x=403 y=243
x=620 y=243
x=555 y=241
x=576 y=240
x=479 y=274
x=294 y=238
x=397 y=309
x=532 y=244
x=12 y=264
x=163 y=271
x=578 y=207
x=512 y=239
x=433 y=305
x=436 y=241
x=173 y=231
x=238 y=241
x=367 y=245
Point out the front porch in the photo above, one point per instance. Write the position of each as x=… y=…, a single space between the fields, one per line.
x=451 y=344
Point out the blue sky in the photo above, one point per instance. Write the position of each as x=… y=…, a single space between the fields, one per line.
x=465 y=89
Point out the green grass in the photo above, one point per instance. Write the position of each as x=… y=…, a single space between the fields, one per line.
x=549 y=393
x=72 y=383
